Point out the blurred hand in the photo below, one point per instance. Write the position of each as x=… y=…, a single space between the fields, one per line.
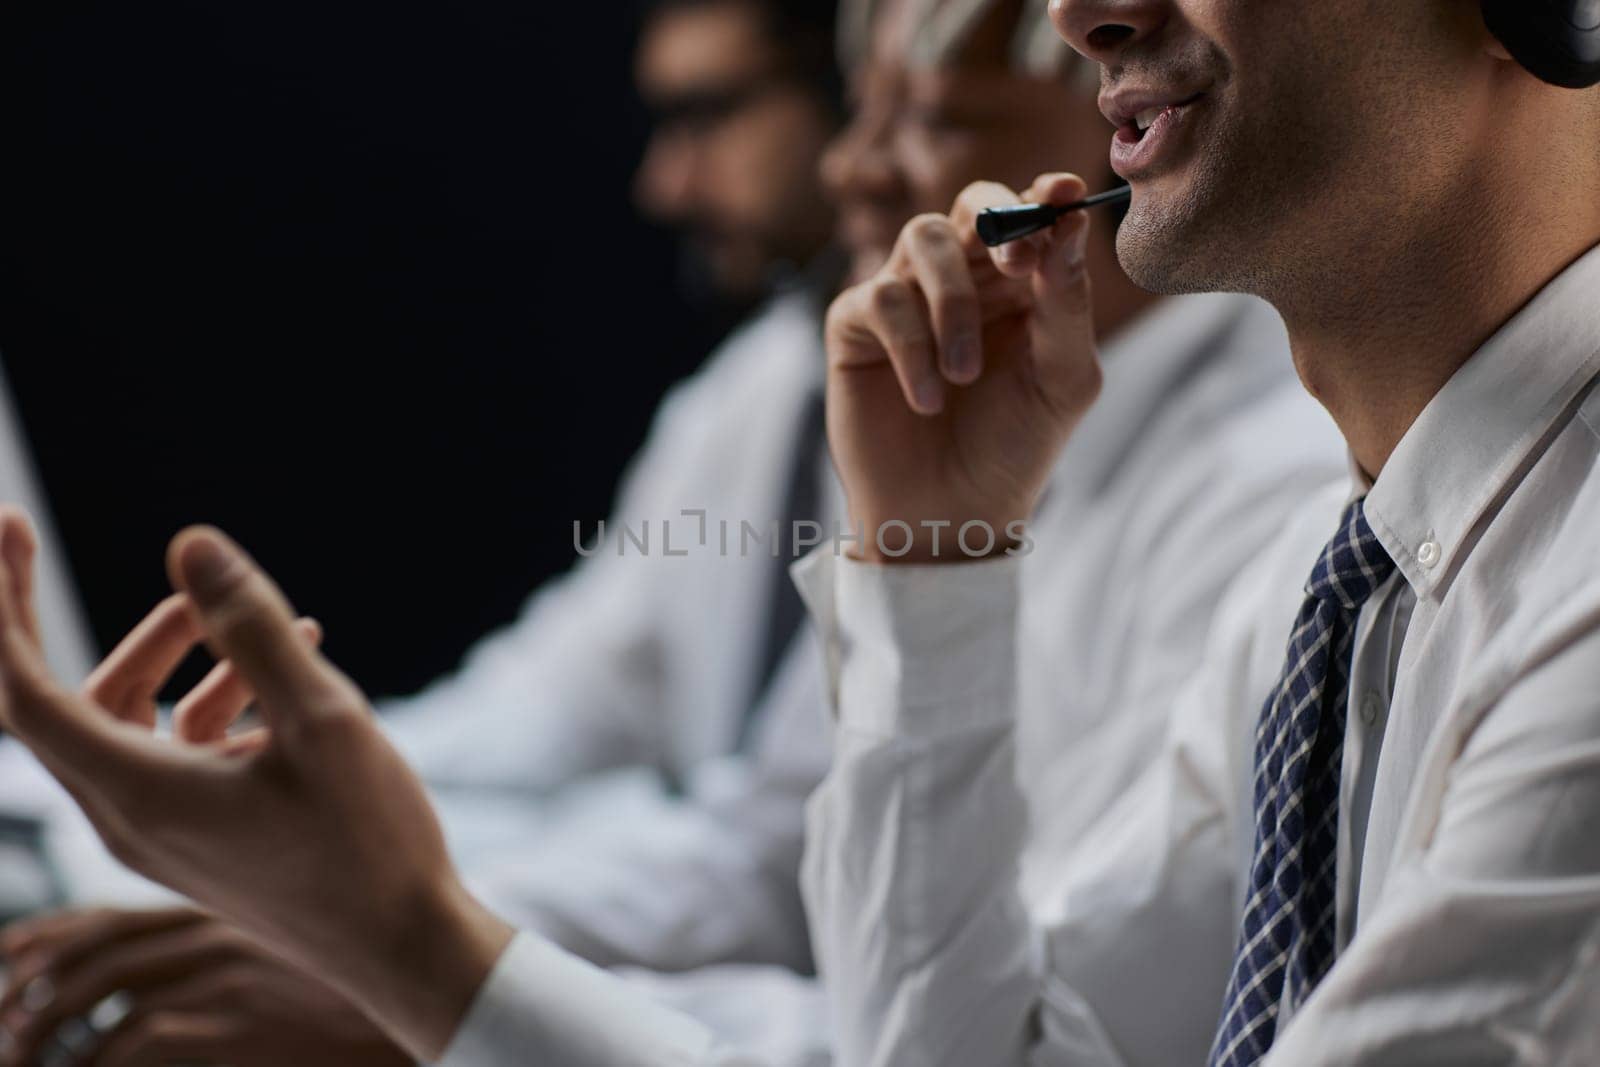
x=312 y=835
x=200 y=992
x=957 y=373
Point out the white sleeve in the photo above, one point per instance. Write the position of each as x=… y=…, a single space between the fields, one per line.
x=678 y=882
x=772 y=1014
x=911 y=875
x=541 y=1005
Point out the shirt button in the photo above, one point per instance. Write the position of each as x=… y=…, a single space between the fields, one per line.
x=1370 y=707
x=1428 y=553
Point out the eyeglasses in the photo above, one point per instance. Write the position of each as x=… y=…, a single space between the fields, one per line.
x=697 y=113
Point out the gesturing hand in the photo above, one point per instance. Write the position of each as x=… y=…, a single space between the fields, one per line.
x=957 y=373
x=313 y=836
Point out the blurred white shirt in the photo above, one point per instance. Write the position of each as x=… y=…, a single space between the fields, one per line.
x=548 y=750
x=1198 y=451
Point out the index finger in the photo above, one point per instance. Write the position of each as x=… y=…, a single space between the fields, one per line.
x=1058 y=188
x=972 y=202
x=1014 y=259
x=126 y=682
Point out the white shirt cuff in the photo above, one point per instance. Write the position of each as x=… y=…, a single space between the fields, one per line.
x=914 y=648
x=541 y=1004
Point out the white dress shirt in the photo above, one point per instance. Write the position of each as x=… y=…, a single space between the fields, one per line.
x=1469 y=900
x=1196 y=453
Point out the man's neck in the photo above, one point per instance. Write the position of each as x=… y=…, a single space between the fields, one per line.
x=1404 y=321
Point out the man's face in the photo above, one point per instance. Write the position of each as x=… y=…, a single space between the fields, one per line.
x=732 y=157
x=1266 y=139
x=920 y=136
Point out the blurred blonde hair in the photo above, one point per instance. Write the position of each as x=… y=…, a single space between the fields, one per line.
x=941 y=27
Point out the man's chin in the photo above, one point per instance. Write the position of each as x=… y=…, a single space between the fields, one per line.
x=1159 y=247
x=712 y=274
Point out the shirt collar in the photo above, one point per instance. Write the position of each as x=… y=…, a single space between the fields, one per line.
x=1482 y=429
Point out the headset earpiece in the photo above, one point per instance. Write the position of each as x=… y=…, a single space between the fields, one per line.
x=1558 y=41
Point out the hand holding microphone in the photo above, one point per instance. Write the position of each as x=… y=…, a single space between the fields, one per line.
x=957 y=373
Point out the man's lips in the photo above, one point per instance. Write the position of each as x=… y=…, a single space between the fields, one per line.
x=1126 y=107
x=1147 y=126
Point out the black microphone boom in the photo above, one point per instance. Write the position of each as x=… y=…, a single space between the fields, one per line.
x=1002 y=225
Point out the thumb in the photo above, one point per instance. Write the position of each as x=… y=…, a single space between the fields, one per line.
x=247 y=620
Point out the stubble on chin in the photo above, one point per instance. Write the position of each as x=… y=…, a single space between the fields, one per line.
x=1214 y=233
x=1165 y=247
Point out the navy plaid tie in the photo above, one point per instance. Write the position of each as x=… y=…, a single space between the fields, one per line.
x=1286 y=941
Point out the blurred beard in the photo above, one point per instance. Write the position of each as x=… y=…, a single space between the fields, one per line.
x=697 y=278
x=707 y=280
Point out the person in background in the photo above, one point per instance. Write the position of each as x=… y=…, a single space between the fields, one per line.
x=592 y=758
x=1372 y=846
x=1200 y=399
x=742 y=95
x=584 y=756
x=1193 y=459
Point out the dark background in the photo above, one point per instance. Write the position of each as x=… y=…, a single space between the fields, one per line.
x=358 y=282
